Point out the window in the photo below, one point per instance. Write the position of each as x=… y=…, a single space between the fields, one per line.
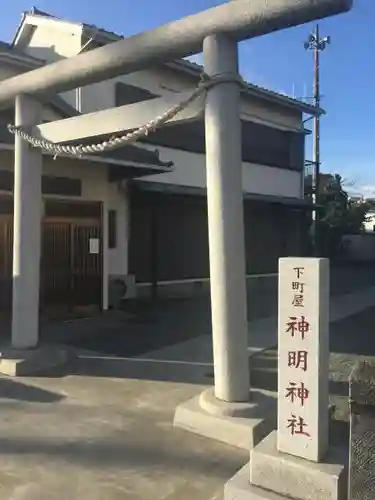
x=129 y=94
x=63 y=186
x=265 y=145
x=112 y=226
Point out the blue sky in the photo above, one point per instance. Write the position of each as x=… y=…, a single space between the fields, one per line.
x=276 y=61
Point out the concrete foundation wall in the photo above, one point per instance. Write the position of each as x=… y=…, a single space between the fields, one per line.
x=262 y=289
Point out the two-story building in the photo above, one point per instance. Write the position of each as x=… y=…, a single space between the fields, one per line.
x=154 y=227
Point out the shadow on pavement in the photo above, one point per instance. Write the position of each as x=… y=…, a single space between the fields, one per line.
x=141 y=369
x=355 y=334
x=19 y=391
x=109 y=452
x=263 y=371
x=117 y=334
x=339 y=433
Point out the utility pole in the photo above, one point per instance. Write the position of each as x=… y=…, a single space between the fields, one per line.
x=317 y=44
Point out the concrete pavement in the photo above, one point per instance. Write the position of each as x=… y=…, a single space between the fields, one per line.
x=102 y=429
x=262 y=333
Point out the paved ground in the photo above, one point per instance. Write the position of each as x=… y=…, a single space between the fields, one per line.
x=172 y=322
x=78 y=436
x=119 y=333
x=102 y=429
x=180 y=331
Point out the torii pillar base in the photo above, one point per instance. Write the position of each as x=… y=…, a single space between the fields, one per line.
x=242 y=425
x=31 y=362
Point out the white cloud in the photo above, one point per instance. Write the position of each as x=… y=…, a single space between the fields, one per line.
x=365 y=190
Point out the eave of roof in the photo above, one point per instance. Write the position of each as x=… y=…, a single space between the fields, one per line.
x=132 y=153
x=163 y=187
x=18 y=56
x=128 y=157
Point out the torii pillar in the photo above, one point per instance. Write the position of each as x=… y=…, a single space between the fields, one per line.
x=24 y=356
x=211 y=414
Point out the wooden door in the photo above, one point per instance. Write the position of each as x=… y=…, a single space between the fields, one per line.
x=86 y=264
x=55 y=267
x=70 y=274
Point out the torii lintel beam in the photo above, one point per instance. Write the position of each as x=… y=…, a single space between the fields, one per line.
x=118 y=120
x=239 y=19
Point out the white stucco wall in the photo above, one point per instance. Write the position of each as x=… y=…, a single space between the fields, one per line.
x=190 y=167
x=370 y=222
x=163 y=82
x=190 y=170
x=94 y=188
x=52 y=40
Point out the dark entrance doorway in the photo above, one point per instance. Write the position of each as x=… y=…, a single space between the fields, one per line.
x=71 y=258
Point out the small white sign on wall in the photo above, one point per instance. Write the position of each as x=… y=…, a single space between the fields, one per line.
x=94 y=245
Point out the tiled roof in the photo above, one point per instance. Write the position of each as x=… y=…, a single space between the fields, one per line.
x=4 y=47
x=37 y=12
x=184 y=64
x=9 y=49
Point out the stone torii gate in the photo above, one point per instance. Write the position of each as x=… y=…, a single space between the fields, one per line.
x=217 y=32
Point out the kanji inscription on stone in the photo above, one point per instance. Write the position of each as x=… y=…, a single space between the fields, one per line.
x=303 y=339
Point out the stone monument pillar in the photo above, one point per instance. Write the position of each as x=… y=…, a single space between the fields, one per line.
x=296 y=461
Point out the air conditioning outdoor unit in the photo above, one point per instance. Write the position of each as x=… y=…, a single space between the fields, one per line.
x=121 y=288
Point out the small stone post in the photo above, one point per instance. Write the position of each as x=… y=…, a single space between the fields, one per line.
x=303 y=326
x=362 y=432
x=296 y=461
